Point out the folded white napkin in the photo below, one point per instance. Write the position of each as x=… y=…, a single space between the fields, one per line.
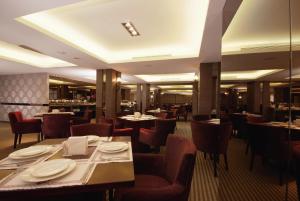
x=75 y=146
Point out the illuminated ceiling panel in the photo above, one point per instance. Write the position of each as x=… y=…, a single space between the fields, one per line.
x=247 y=75
x=173 y=31
x=181 y=77
x=19 y=54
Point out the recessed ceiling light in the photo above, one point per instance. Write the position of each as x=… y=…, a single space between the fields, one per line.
x=15 y=53
x=182 y=77
x=130 y=28
x=247 y=75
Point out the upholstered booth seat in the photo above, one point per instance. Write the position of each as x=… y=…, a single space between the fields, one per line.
x=162 y=177
x=20 y=126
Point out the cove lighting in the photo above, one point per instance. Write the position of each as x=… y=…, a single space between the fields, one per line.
x=178 y=35
x=174 y=86
x=247 y=75
x=182 y=77
x=18 y=54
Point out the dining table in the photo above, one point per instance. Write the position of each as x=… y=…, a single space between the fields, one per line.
x=99 y=176
x=144 y=121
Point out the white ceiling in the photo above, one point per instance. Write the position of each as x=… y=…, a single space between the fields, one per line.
x=17 y=33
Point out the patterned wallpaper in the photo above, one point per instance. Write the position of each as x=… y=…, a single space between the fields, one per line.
x=23 y=88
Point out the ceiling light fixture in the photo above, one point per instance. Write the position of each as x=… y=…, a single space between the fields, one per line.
x=18 y=54
x=181 y=77
x=130 y=28
x=247 y=75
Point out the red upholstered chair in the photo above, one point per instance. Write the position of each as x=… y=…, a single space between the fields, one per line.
x=56 y=125
x=21 y=126
x=212 y=138
x=162 y=115
x=87 y=116
x=157 y=136
x=118 y=127
x=162 y=177
x=100 y=129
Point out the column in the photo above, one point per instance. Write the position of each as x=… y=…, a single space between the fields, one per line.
x=118 y=89
x=206 y=90
x=99 y=93
x=108 y=93
x=253 y=97
x=145 y=97
x=265 y=98
x=218 y=88
x=139 y=97
x=195 y=98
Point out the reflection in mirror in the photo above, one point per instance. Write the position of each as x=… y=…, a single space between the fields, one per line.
x=255 y=97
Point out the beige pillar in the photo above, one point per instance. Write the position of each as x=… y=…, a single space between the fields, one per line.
x=206 y=90
x=118 y=89
x=195 y=98
x=139 y=97
x=253 y=97
x=145 y=97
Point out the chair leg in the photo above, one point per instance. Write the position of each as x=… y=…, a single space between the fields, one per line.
x=20 y=138
x=252 y=161
x=226 y=162
x=215 y=165
x=204 y=155
x=15 y=140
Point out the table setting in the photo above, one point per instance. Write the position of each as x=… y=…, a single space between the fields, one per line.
x=70 y=163
x=138 y=117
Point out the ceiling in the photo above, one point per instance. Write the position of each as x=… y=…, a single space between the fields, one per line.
x=171 y=28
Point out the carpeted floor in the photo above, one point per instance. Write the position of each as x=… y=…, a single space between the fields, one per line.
x=238 y=184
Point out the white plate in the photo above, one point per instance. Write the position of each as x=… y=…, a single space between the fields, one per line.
x=113 y=147
x=27 y=174
x=93 y=138
x=50 y=168
x=30 y=152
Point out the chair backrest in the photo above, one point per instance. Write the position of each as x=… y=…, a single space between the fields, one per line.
x=257 y=138
x=162 y=115
x=88 y=115
x=163 y=128
x=100 y=129
x=56 y=125
x=14 y=117
x=116 y=123
x=179 y=161
x=211 y=138
x=201 y=117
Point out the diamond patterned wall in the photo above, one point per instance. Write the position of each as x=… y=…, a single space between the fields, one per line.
x=23 y=88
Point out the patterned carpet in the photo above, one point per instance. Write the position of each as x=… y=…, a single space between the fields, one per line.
x=238 y=184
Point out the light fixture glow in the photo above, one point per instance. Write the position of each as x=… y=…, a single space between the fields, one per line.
x=18 y=54
x=225 y=86
x=61 y=24
x=247 y=75
x=174 y=86
x=182 y=77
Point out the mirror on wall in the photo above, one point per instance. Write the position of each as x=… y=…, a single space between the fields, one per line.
x=255 y=97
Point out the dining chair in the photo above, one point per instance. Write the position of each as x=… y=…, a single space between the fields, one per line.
x=157 y=136
x=201 y=117
x=162 y=177
x=20 y=126
x=212 y=139
x=100 y=129
x=87 y=116
x=56 y=125
x=117 y=126
x=162 y=115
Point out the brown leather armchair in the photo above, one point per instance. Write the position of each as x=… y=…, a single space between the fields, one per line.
x=118 y=127
x=56 y=125
x=162 y=177
x=20 y=126
x=100 y=129
x=157 y=136
x=212 y=138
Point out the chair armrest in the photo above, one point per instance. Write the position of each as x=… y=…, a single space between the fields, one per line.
x=32 y=121
x=123 y=132
x=167 y=193
x=148 y=164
